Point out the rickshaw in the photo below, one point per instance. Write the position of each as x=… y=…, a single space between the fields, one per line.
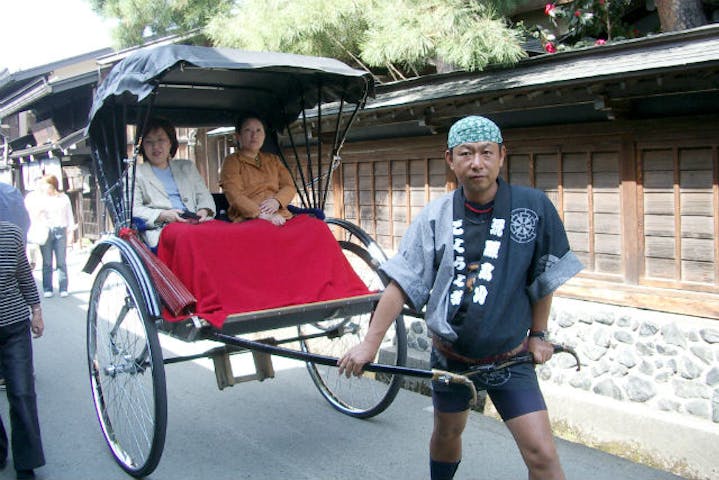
x=299 y=97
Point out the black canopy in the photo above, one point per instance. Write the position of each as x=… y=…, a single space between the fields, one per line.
x=203 y=86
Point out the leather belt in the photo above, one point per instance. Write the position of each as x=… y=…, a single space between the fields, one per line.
x=445 y=349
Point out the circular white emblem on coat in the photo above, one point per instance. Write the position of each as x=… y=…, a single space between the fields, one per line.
x=523 y=225
x=496 y=378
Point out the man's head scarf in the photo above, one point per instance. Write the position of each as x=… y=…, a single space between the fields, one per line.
x=473 y=129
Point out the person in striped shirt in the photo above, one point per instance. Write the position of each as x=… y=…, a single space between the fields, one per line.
x=20 y=319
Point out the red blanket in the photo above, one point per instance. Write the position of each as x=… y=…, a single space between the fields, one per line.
x=242 y=267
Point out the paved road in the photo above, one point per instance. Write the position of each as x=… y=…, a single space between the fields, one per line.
x=280 y=428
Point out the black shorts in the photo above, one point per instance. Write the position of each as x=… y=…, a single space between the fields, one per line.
x=514 y=390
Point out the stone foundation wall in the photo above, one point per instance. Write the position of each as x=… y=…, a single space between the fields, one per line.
x=663 y=361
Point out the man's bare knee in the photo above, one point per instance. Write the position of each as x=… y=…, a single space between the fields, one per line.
x=541 y=458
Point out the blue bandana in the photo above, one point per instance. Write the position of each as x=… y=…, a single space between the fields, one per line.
x=473 y=129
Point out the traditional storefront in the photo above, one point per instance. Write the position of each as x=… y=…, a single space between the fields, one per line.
x=623 y=139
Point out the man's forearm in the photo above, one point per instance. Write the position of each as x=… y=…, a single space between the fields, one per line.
x=540 y=313
x=388 y=309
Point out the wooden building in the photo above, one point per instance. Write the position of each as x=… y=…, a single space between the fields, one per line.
x=45 y=110
x=44 y=113
x=623 y=138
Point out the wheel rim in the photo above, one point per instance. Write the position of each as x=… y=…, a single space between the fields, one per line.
x=362 y=396
x=371 y=393
x=123 y=373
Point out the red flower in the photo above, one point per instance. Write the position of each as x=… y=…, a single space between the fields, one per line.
x=549 y=47
x=601 y=2
x=578 y=13
x=548 y=9
x=600 y=41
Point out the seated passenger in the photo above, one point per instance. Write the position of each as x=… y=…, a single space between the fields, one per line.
x=167 y=190
x=256 y=184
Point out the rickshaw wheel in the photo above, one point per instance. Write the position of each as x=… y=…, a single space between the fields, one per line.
x=127 y=374
x=370 y=394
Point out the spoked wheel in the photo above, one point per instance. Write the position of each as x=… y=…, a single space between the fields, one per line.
x=127 y=375
x=372 y=393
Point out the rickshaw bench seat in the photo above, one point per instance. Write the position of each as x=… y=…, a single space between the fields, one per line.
x=237 y=269
x=281 y=317
x=223 y=205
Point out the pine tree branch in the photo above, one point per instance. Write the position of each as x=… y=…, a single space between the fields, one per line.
x=356 y=59
x=394 y=69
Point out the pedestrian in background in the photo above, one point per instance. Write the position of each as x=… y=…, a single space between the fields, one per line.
x=50 y=210
x=20 y=315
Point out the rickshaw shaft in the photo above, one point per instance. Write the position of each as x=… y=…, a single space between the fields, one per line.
x=375 y=367
x=315 y=358
x=233 y=349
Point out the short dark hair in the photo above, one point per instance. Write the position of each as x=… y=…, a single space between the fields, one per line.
x=248 y=116
x=164 y=125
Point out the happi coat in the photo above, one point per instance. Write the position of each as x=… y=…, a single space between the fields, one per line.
x=526 y=256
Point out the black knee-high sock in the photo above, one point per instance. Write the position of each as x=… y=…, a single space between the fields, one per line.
x=442 y=470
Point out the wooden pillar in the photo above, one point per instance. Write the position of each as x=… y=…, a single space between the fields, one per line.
x=591 y=229
x=632 y=215
x=677 y=219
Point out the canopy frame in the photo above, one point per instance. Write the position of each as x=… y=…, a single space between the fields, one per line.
x=290 y=93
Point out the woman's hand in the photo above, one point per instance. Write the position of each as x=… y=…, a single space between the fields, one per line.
x=269 y=206
x=37 y=326
x=275 y=218
x=169 y=216
x=204 y=215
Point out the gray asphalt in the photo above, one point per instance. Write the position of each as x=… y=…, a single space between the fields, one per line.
x=276 y=429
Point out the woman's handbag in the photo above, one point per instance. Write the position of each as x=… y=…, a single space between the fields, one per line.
x=38 y=233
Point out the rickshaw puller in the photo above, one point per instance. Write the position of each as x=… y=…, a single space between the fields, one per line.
x=484 y=260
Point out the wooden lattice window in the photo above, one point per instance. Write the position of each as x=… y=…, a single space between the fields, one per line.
x=583 y=185
x=383 y=196
x=678 y=200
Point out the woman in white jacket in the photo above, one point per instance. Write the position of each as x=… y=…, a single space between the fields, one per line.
x=51 y=213
x=167 y=190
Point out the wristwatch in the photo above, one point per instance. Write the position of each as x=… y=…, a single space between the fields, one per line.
x=540 y=334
